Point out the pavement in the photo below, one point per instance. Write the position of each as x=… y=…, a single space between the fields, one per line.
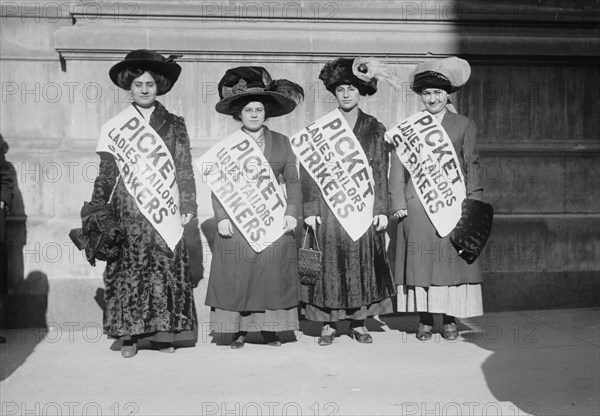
x=512 y=363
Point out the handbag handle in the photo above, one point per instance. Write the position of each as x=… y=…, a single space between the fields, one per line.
x=316 y=239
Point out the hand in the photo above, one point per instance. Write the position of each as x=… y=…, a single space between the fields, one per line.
x=312 y=221
x=289 y=223
x=401 y=213
x=380 y=222
x=186 y=218
x=225 y=228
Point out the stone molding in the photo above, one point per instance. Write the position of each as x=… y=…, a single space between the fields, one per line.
x=400 y=31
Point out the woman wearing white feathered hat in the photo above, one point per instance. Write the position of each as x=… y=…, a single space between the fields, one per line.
x=357 y=280
x=432 y=277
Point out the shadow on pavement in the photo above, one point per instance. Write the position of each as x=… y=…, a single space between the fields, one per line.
x=539 y=361
x=20 y=344
x=26 y=308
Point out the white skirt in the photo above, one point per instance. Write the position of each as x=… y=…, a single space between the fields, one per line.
x=460 y=301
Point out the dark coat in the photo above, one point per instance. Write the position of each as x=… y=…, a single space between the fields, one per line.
x=355 y=273
x=423 y=258
x=6 y=176
x=148 y=288
x=242 y=280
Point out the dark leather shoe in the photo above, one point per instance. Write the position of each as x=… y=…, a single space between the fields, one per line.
x=450 y=332
x=424 y=332
x=360 y=337
x=238 y=342
x=128 y=350
x=163 y=347
x=326 y=339
x=272 y=339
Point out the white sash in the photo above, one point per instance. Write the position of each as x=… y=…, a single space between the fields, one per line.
x=335 y=160
x=426 y=151
x=241 y=178
x=147 y=169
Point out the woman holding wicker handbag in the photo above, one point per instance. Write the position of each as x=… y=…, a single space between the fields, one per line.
x=356 y=279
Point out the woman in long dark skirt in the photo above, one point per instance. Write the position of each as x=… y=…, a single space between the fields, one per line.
x=148 y=292
x=357 y=280
x=250 y=291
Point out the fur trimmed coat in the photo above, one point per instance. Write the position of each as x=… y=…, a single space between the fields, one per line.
x=148 y=288
x=423 y=258
x=355 y=273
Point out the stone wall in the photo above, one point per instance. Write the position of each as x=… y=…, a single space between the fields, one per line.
x=532 y=94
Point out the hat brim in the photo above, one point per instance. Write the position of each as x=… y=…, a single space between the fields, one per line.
x=277 y=104
x=171 y=70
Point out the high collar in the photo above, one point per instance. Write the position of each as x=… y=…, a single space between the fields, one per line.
x=440 y=117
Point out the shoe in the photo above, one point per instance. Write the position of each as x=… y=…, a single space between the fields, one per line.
x=128 y=349
x=163 y=347
x=450 y=332
x=238 y=341
x=326 y=339
x=361 y=337
x=424 y=332
x=272 y=338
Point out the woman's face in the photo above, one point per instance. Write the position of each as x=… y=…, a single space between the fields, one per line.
x=435 y=99
x=143 y=90
x=347 y=96
x=253 y=115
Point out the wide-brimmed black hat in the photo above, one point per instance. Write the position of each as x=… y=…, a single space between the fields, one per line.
x=340 y=71
x=253 y=83
x=149 y=60
x=448 y=74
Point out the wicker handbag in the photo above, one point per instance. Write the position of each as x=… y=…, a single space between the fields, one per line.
x=310 y=260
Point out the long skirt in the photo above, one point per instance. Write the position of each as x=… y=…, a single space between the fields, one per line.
x=461 y=301
x=148 y=290
x=253 y=291
x=317 y=314
x=356 y=280
x=222 y=321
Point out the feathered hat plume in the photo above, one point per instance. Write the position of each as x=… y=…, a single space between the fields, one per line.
x=366 y=69
x=288 y=88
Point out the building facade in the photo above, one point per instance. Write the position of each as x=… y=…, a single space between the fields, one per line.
x=532 y=94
